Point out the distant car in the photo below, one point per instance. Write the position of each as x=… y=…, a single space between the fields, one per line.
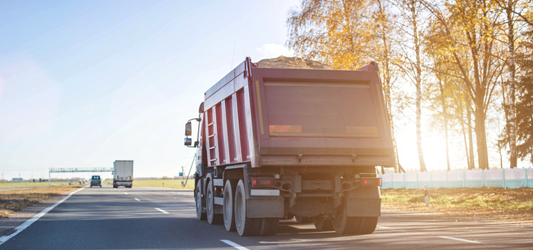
x=95 y=181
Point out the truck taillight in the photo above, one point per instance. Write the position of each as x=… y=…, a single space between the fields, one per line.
x=371 y=182
x=262 y=182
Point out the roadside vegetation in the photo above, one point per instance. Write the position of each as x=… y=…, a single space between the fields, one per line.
x=16 y=200
x=487 y=203
x=30 y=184
x=170 y=183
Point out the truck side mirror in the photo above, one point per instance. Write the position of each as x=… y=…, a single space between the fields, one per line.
x=188 y=129
x=188 y=141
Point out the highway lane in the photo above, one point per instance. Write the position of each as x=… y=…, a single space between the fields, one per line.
x=154 y=218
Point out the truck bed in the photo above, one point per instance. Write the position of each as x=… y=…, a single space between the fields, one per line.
x=297 y=117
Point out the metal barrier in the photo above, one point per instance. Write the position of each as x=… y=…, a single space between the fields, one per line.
x=75 y=170
x=509 y=178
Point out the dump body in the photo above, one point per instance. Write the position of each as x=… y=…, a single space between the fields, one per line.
x=302 y=142
x=297 y=117
x=123 y=174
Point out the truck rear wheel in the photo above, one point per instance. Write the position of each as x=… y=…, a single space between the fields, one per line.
x=322 y=224
x=200 y=215
x=344 y=224
x=368 y=225
x=229 y=194
x=245 y=226
x=353 y=225
x=212 y=218
x=269 y=226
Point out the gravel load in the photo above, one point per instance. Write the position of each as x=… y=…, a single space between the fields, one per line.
x=283 y=62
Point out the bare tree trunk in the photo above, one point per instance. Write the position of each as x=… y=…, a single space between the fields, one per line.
x=471 y=164
x=418 y=79
x=445 y=114
x=512 y=87
x=462 y=121
x=481 y=139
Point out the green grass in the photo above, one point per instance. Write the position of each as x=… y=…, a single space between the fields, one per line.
x=160 y=183
x=31 y=184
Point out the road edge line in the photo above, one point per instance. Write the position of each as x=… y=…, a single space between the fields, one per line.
x=161 y=210
x=36 y=217
x=459 y=239
x=235 y=245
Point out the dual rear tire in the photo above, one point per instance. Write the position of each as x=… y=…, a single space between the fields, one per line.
x=248 y=226
x=234 y=210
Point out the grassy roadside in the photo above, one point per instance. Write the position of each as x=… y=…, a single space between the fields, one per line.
x=160 y=183
x=30 y=184
x=487 y=203
x=16 y=200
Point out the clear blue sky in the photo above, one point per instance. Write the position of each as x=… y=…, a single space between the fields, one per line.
x=84 y=83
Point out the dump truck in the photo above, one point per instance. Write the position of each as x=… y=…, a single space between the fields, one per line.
x=276 y=143
x=123 y=174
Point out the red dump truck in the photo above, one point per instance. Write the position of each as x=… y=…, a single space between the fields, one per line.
x=277 y=143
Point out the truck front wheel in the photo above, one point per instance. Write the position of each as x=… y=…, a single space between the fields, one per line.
x=200 y=215
x=245 y=226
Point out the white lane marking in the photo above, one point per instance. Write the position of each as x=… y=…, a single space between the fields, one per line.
x=33 y=219
x=383 y=227
x=125 y=193
x=235 y=245
x=137 y=199
x=161 y=210
x=452 y=238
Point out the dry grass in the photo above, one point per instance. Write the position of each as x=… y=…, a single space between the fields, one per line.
x=16 y=200
x=501 y=204
x=31 y=184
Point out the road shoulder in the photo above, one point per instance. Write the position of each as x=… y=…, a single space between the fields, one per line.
x=7 y=225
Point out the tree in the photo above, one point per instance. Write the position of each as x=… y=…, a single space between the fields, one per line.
x=347 y=35
x=334 y=32
x=411 y=66
x=514 y=13
x=469 y=28
x=524 y=107
x=383 y=45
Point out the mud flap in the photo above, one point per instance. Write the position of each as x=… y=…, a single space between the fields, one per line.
x=363 y=207
x=268 y=207
x=363 y=202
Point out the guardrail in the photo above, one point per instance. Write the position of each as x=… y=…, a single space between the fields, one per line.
x=509 y=178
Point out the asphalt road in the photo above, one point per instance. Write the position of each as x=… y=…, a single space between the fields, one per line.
x=154 y=218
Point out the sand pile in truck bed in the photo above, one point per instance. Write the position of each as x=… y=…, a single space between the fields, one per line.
x=283 y=62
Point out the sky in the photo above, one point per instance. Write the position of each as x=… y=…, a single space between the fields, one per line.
x=85 y=83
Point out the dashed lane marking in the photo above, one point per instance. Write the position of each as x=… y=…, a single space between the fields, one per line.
x=161 y=210
x=458 y=239
x=137 y=199
x=125 y=193
x=235 y=245
x=383 y=227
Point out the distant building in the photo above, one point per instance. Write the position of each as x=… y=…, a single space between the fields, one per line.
x=16 y=179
